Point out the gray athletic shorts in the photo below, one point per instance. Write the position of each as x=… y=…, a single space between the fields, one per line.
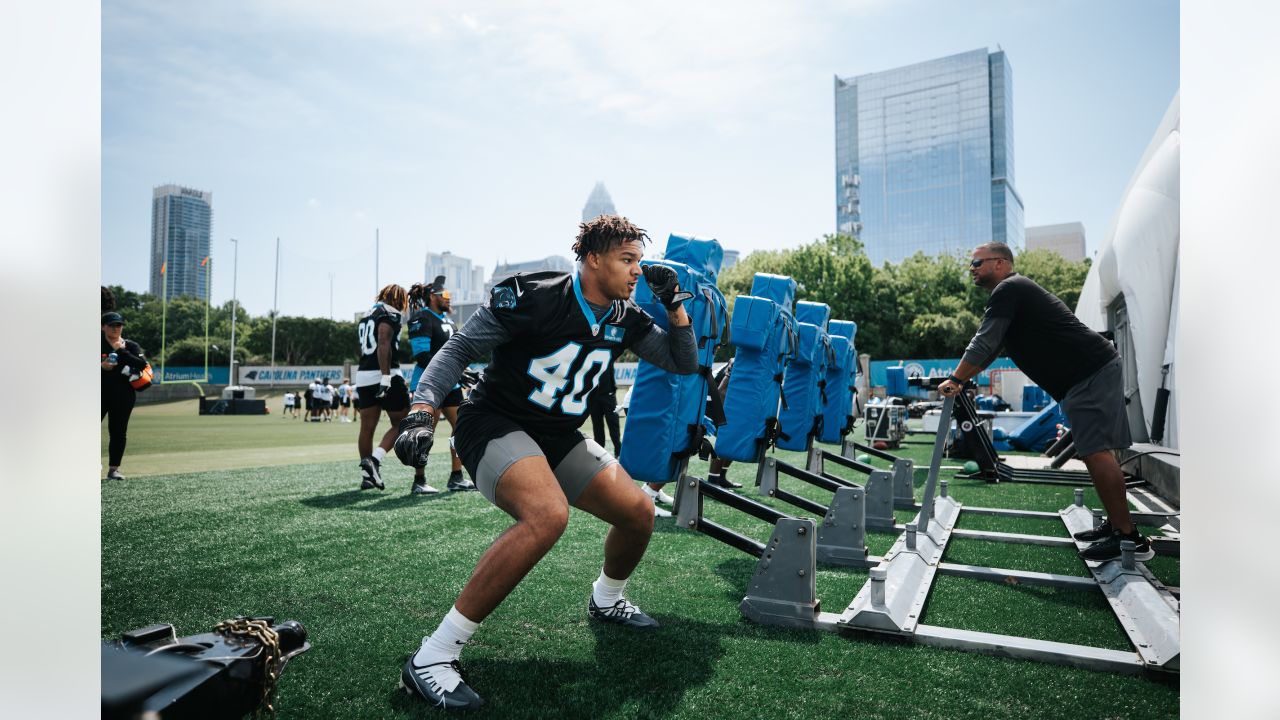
x=489 y=444
x=1095 y=411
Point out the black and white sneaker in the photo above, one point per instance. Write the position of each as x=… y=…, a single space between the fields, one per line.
x=440 y=685
x=114 y=475
x=1109 y=548
x=723 y=481
x=622 y=613
x=458 y=481
x=422 y=488
x=1102 y=532
x=371 y=469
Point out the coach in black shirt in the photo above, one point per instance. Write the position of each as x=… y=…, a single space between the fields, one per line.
x=1075 y=365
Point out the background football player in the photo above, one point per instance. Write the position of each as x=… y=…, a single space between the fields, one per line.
x=379 y=384
x=430 y=327
x=552 y=336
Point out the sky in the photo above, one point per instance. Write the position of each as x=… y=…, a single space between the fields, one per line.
x=481 y=128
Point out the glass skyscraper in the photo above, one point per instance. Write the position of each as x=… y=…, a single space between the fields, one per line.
x=181 y=223
x=924 y=157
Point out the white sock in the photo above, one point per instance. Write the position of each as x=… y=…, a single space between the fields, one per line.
x=447 y=641
x=379 y=453
x=606 y=591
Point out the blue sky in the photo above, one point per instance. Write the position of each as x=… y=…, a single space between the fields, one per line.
x=480 y=128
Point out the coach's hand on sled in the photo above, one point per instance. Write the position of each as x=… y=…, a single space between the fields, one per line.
x=665 y=286
x=417 y=434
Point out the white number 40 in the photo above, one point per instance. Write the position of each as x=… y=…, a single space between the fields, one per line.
x=552 y=371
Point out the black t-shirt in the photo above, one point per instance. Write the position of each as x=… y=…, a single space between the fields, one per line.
x=367 y=330
x=428 y=332
x=558 y=351
x=1044 y=338
x=129 y=358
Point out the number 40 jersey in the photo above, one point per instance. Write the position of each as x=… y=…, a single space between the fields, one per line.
x=556 y=350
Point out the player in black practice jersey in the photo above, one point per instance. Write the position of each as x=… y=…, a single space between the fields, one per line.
x=552 y=336
x=379 y=384
x=429 y=329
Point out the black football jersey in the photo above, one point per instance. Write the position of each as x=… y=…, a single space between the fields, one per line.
x=367 y=329
x=428 y=332
x=557 y=350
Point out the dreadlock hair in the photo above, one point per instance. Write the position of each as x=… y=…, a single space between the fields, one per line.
x=419 y=296
x=605 y=232
x=395 y=296
x=108 y=299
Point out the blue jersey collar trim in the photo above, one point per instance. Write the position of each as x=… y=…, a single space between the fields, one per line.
x=586 y=309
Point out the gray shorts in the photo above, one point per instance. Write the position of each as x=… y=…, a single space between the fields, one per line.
x=574 y=471
x=1095 y=411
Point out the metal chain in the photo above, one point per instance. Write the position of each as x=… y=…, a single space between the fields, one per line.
x=260 y=631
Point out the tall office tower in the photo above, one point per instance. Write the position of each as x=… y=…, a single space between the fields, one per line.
x=1066 y=239
x=464 y=282
x=924 y=157
x=181 y=222
x=731 y=258
x=598 y=203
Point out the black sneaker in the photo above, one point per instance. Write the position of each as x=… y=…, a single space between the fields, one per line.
x=1109 y=548
x=622 y=613
x=439 y=684
x=372 y=475
x=114 y=475
x=723 y=481
x=1102 y=532
x=422 y=488
x=459 y=482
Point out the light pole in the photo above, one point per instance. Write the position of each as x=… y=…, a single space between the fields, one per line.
x=235 y=265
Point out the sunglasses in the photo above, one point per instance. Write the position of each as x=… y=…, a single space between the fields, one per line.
x=979 y=261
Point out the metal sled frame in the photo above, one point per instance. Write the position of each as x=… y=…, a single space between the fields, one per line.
x=782 y=590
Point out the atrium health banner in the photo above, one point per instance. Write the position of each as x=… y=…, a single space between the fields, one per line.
x=931 y=368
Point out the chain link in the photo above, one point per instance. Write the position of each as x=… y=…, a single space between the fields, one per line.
x=261 y=632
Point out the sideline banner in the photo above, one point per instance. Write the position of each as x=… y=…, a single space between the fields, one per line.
x=623 y=373
x=931 y=368
x=181 y=373
x=289 y=374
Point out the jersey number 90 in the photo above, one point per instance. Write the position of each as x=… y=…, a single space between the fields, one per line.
x=552 y=372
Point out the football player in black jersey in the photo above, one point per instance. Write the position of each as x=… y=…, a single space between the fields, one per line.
x=429 y=329
x=379 y=384
x=552 y=335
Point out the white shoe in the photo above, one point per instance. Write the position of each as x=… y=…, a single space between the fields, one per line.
x=657 y=495
x=660 y=513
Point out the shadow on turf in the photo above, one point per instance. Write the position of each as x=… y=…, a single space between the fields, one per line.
x=370 y=500
x=631 y=674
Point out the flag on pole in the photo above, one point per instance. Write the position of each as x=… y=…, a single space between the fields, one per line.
x=162 y=266
x=205 y=261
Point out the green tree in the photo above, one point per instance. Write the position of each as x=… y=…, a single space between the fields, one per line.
x=304 y=341
x=1054 y=273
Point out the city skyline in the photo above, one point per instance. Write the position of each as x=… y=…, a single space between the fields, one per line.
x=476 y=130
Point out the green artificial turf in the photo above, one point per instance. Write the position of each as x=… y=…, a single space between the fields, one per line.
x=369 y=573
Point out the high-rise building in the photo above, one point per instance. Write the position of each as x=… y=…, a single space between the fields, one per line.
x=598 y=203
x=464 y=282
x=181 y=224
x=1066 y=239
x=730 y=259
x=924 y=157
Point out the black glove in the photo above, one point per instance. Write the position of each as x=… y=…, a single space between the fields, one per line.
x=469 y=378
x=417 y=434
x=662 y=281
